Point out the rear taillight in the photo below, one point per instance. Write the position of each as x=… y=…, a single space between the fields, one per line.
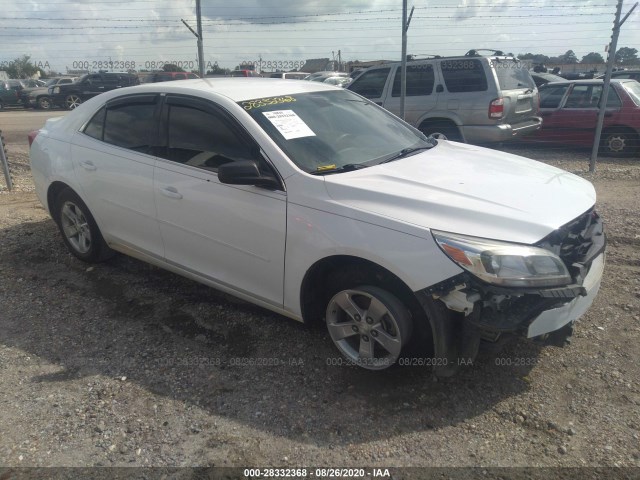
x=32 y=136
x=496 y=108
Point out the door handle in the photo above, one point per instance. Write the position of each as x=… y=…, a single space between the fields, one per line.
x=88 y=165
x=170 y=192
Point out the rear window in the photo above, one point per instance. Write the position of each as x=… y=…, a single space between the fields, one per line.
x=464 y=75
x=512 y=75
x=420 y=80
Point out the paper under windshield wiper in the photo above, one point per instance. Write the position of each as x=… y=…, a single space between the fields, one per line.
x=349 y=167
x=405 y=152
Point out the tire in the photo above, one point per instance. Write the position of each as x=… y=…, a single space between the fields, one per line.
x=369 y=325
x=619 y=142
x=441 y=131
x=79 y=229
x=44 y=103
x=72 y=101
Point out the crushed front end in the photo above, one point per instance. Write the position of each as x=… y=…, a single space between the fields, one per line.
x=538 y=291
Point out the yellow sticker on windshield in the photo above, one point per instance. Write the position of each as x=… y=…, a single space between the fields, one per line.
x=322 y=168
x=264 y=102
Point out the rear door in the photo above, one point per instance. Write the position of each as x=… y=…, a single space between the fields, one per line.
x=421 y=97
x=517 y=88
x=114 y=162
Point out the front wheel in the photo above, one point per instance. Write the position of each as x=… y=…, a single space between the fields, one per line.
x=369 y=325
x=619 y=142
x=79 y=229
x=44 y=103
x=72 y=101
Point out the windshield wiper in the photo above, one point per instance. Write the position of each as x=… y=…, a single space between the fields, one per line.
x=406 y=152
x=349 y=167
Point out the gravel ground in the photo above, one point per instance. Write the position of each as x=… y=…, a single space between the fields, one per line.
x=123 y=364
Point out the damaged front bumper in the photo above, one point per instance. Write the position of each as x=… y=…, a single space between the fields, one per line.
x=465 y=309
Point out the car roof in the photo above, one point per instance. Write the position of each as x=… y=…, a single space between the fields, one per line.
x=236 y=88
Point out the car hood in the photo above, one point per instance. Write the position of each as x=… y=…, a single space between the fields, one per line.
x=468 y=190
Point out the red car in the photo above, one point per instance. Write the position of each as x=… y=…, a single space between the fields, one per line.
x=570 y=111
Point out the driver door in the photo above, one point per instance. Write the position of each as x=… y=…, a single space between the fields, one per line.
x=233 y=235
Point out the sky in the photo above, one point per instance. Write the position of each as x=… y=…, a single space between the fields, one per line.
x=66 y=34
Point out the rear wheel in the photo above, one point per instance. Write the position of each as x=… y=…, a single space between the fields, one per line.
x=442 y=131
x=79 y=229
x=619 y=142
x=72 y=101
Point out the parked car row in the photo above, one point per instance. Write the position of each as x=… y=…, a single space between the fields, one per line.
x=11 y=90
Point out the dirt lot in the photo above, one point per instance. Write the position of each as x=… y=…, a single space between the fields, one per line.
x=125 y=364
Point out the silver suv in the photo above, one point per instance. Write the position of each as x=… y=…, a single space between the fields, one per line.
x=473 y=98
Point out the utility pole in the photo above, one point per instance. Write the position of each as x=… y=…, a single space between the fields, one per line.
x=403 y=68
x=339 y=61
x=200 y=48
x=613 y=46
x=198 y=35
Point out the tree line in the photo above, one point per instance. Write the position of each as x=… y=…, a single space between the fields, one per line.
x=625 y=56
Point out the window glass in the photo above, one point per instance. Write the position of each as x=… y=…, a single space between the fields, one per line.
x=550 y=97
x=633 y=89
x=93 y=80
x=588 y=96
x=95 y=127
x=463 y=75
x=180 y=76
x=130 y=126
x=371 y=84
x=163 y=77
x=512 y=75
x=420 y=80
x=322 y=130
x=202 y=139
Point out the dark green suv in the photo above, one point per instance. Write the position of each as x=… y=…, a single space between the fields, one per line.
x=8 y=95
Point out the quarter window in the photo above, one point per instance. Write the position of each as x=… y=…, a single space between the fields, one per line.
x=371 y=84
x=420 y=80
x=202 y=139
x=464 y=75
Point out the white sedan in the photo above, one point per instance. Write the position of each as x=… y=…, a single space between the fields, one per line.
x=316 y=203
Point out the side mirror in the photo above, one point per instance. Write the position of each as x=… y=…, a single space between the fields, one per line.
x=245 y=172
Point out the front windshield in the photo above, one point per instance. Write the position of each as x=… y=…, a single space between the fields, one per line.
x=324 y=131
x=51 y=81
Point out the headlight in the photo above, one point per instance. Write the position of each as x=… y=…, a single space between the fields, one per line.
x=56 y=89
x=504 y=264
